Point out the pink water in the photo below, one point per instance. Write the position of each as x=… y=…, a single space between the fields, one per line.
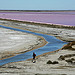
x=61 y=18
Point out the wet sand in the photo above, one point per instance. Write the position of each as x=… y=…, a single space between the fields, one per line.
x=41 y=67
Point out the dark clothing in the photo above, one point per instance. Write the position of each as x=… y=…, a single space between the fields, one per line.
x=34 y=55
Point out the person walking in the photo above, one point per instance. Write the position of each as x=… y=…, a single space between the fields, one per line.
x=34 y=55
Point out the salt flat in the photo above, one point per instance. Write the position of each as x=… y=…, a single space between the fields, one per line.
x=41 y=67
x=14 y=42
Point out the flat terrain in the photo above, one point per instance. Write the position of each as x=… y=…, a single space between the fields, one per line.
x=57 y=18
x=15 y=42
x=64 y=57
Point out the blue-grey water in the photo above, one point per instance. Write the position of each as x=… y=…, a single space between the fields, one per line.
x=52 y=45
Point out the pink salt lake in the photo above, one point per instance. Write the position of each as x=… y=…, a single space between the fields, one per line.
x=60 y=18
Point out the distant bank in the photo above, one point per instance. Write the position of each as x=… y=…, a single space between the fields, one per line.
x=36 y=10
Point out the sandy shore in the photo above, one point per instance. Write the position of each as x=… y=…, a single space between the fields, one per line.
x=65 y=58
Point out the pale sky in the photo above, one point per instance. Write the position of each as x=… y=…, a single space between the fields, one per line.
x=37 y=4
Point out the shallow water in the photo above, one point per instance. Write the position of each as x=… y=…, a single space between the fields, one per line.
x=52 y=45
x=59 y=18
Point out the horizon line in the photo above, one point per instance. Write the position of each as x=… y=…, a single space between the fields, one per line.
x=35 y=10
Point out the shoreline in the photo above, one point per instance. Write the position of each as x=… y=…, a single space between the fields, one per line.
x=41 y=67
x=32 y=23
x=43 y=24
x=41 y=44
x=44 y=41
